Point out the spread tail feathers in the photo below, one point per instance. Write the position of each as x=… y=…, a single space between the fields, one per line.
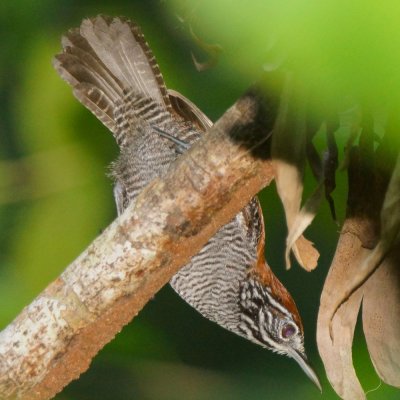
x=105 y=60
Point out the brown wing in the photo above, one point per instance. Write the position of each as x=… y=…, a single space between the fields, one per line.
x=188 y=111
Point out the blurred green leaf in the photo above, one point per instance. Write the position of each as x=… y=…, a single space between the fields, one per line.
x=339 y=48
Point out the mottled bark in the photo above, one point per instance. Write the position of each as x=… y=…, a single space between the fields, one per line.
x=54 y=339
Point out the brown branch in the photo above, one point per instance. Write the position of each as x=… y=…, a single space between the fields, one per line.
x=54 y=339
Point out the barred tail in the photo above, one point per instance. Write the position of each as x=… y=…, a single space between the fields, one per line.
x=105 y=60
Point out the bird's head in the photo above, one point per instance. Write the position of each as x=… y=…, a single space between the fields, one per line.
x=269 y=317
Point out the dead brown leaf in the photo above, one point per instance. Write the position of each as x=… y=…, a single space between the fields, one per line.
x=289 y=155
x=303 y=248
x=389 y=237
x=381 y=319
x=337 y=354
x=380 y=295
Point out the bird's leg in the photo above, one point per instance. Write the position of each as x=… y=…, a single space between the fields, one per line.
x=182 y=146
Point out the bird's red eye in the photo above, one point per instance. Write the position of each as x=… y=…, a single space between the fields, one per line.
x=288 y=331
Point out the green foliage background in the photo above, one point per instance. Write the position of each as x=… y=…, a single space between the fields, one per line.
x=55 y=196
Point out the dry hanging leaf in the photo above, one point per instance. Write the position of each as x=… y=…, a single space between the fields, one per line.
x=337 y=355
x=325 y=173
x=326 y=176
x=289 y=154
x=389 y=237
x=381 y=318
x=303 y=248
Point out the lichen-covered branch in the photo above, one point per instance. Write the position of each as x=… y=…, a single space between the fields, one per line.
x=54 y=339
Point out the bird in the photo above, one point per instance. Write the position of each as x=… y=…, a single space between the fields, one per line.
x=113 y=73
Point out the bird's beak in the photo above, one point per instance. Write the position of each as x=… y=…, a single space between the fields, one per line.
x=305 y=366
